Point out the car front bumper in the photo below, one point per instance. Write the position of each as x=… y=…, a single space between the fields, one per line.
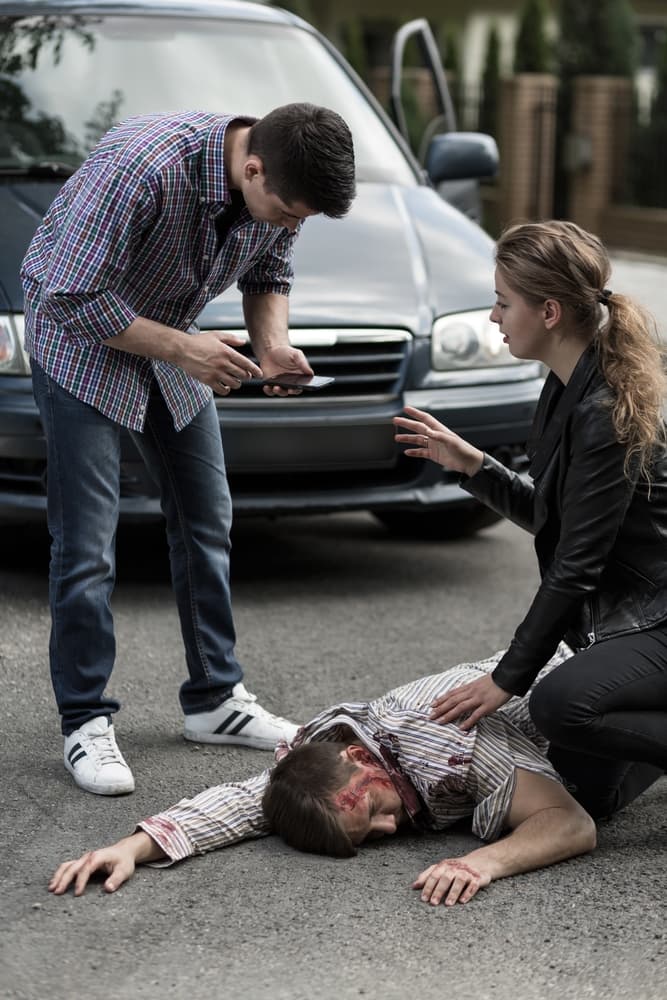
x=297 y=455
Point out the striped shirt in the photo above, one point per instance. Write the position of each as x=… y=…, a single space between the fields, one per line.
x=132 y=233
x=442 y=774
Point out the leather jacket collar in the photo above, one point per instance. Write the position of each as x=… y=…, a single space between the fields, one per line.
x=555 y=406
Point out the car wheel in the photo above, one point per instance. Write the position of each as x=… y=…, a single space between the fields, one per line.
x=438 y=525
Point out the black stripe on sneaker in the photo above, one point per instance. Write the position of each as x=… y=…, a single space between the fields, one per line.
x=244 y=722
x=75 y=749
x=224 y=725
x=75 y=760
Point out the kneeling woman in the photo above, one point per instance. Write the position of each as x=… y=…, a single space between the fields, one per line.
x=597 y=506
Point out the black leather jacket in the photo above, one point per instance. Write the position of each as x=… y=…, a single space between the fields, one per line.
x=600 y=538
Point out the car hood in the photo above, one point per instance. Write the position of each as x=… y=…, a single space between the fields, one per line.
x=400 y=258
x=22 y=206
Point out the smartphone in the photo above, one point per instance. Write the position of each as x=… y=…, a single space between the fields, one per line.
x=296 y=380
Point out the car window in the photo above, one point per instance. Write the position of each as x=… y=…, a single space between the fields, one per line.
x=65 y=79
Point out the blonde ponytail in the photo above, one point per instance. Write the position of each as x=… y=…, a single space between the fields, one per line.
x=632 y=360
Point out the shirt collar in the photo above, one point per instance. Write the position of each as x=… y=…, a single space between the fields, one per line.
x=214 y=181
x=408 y=794
x=335 y=724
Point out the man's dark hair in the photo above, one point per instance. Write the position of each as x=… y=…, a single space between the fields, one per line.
x=308 y=156
x=299 y=800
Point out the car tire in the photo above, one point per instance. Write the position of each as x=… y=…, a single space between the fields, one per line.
x=438 y=525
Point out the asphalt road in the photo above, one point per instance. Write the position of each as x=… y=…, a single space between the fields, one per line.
x=326 y=609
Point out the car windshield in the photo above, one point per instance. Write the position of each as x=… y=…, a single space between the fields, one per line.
x=66 y=78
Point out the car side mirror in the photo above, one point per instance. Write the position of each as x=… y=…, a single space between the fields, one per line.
x=456 y=156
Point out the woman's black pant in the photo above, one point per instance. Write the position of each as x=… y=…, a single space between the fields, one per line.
x=604 y=712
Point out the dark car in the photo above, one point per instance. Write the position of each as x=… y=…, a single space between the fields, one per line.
x=392 y=301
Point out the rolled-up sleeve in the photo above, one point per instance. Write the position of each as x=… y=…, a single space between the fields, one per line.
x=499 y=750
x=273 y=272
x=218 y=817
x=105 y=220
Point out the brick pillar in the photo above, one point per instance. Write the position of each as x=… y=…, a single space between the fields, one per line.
x=597 y=148
x=527 y=135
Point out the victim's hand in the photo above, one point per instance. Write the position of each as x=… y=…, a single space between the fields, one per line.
x=476 y=699
x=453 y=879
x=118 y=862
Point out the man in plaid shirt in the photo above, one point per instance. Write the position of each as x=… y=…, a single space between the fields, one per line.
x=165 y=214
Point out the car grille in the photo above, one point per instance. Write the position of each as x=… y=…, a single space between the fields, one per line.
x=20 y=475
x=366 y=364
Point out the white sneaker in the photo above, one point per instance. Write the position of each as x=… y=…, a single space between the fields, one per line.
x=239 y=720
x=93 y=759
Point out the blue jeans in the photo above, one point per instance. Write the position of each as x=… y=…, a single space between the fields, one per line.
x=83 y=455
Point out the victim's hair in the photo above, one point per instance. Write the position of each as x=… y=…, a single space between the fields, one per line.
x=299 y=803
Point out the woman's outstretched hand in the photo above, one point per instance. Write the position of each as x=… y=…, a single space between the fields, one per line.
x=428 y=438
x=475 y=700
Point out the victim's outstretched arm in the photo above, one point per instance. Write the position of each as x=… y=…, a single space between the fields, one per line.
x=218 y=817
x=547 y=826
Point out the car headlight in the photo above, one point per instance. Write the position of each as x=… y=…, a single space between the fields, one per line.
x=468 y=340
x=13 y=358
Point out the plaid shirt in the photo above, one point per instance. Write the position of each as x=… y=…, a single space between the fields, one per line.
x=130 y=234
x=441 y=773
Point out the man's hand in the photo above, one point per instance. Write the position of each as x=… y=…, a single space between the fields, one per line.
x=210 y=357
x=117 y=861
x=284 y=358
x=452 y=879
x=266 y=318
x=479 y=698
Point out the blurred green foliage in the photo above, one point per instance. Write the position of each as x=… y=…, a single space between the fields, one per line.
x=648 y=180
x=490 y=93
x=597 y=38
x=532 y=53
